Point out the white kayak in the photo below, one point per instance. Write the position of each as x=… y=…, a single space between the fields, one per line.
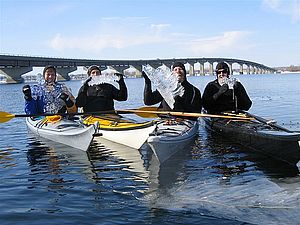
x=122 y=130
x=69 y=132
x=170 y=137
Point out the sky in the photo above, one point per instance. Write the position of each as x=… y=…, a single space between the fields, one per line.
x=262 y=31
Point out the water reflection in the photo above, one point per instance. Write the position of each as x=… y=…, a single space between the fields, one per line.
x=225 y=181
x=6 y=158
x=53 y=162
x=212 y=176
x=146 y=167
x=234 y=159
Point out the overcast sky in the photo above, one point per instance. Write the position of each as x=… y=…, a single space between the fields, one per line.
x=263 y=31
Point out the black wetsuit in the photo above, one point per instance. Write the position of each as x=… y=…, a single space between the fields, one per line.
x=100 y=97
x=189 y=102
x=232 y=100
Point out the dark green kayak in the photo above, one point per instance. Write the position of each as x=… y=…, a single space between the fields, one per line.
x=259 y=136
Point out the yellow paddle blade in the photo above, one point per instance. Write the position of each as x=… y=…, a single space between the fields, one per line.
x=5 y=116
x=147 y=114
x=148 y=108
x=145 y=111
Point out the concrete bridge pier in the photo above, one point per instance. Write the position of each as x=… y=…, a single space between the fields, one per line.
x=63 y=72
x=191 y=70
x=201 y=68
x=248 y=69
x=13 y=74
x=140 y=67
x=241 y=69
x=120 y=68
x=168 y=64
x=211 y=68
x=156 y=64
x=137 y=70
x=230 y=67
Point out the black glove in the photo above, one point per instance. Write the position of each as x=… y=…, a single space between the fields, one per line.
x=237 y=85
x=85 y=84
x=27 y=92
x=147 y=80
x=66 y=99
x=121 y=77
x=238 y=89
x=221 y=91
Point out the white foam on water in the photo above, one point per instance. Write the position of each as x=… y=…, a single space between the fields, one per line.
x=257 y=200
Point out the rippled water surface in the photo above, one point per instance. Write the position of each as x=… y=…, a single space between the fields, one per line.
x=215 y=181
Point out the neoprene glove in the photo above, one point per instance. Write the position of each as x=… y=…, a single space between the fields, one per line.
x=66 y=99
x=121 y=76
x=237 y=86
x=147 y=80
x=27 y=92
x=221 y=91
x=85 y=84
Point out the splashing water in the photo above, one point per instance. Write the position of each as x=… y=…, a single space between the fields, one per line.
x=165 y=82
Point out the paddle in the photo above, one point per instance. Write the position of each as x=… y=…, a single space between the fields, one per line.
x=146 y=112
x=271 y=123
x=5 y=116
x=183 y=114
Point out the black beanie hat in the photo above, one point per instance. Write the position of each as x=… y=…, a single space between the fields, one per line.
x=49 y=67
x=222 y=66
x=181 y=65
x=93 y=67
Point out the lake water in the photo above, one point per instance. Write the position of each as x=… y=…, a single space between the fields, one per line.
x=215 y=181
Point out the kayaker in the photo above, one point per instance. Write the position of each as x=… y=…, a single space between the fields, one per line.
x=48 y=96
x=219 y=96
x=190 y=101
x=100 y=97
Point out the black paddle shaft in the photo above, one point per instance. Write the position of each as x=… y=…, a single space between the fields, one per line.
x=268 y=122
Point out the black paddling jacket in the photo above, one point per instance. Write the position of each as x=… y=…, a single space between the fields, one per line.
x=189 y=102
x=100 y=97
x=226 y=102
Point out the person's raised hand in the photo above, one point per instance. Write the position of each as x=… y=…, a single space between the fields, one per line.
x=87 y=81
x=27 y=92
x=147 y=80
x=120 y=76
x=237 y=85
x=66 y=98
x=85 y=84
x=221 y=91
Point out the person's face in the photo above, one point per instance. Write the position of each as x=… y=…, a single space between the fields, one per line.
x=222 y=73
x=95 y=72
x=223 y=76
x=179 y=72
x=50 y=75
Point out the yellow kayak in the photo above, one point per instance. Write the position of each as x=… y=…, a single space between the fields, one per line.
x=127 y=132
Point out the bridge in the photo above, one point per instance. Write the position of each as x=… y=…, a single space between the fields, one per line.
x=14 y=66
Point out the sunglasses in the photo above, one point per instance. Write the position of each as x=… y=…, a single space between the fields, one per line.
x=222 y=71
